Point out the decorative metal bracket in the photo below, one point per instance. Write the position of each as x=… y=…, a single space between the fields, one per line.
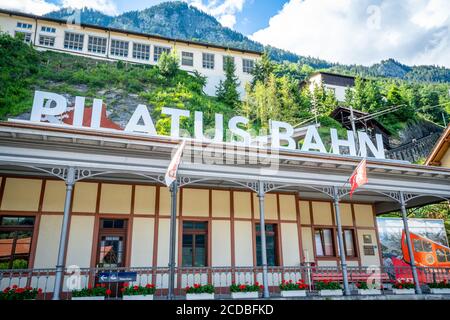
x=70 y=177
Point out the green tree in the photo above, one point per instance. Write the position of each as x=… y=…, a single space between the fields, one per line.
x=168 y=64
x=263 y=69
x=227 y=90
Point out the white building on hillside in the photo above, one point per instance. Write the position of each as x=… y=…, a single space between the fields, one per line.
x=116 y=44
x=334 y=82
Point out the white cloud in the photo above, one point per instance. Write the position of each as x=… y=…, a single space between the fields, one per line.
x=38 y=7
x=105 y=6
x=363 y=31
x=41 y=7
x=223 y=10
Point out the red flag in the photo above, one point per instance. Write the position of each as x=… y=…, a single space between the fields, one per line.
x=171 y=174
x=359 y=177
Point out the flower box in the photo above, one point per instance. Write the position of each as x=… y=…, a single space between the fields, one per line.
x=94 y=298
x=327 y=293
x=138 y=297
x=293 y=293
x=199 y=296
x=404 y=291
x=369 y=292
x=245 y=295
x=440 y=291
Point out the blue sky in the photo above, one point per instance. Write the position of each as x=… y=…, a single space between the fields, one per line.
x=364 y=32
x=255 y=14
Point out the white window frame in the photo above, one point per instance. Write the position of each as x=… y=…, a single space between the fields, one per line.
x=119 y=48
x=48 y=41
x=208 y=60
x=246 y=68
x=225 y=57
x=27 y=36
x=158 y=51
x=74 y=42
x=24 y=25
x=141 y=51
x=188 y=57
x=97 y=44
x=48 y=29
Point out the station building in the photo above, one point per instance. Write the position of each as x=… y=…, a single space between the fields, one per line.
x=120 y=209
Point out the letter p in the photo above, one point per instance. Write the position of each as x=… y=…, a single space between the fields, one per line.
x=42 y=105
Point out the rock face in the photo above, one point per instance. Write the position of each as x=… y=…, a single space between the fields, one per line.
x=415 y=142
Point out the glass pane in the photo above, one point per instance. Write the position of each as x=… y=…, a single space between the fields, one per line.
x=440 y=255
x=9 y=221
x=111 y=251
x=17 y=221
x=271 y=251
x=350 y=250
x=187 y=250
x=107 y=223
x=328 y=241
x=200 y=250
x=427 y=247
x=119 y=224
x=200 y=225
x=417 y=245
x=318 y=240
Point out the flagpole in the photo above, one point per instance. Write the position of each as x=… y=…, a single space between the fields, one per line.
x=173 y=221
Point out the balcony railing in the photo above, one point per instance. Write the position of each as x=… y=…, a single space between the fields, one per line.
x=220 y=277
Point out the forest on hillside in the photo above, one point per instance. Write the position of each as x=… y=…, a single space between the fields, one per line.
x=275 y=92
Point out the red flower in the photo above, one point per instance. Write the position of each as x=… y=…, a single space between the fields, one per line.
x=256 y=283
x=14 y=286
x=39 y=290
x=108 y=292
x=89 y=286
x=126 y=285
x=242 y=287
x=187 y=288
x=136 y=288
x=400 y=287
x=98 y=285
x=261 y=287
x=149 y=286
x=122 y=289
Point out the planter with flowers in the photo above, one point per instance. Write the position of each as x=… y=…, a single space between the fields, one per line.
x=442 y=287
x=403 y=287
x=16 y=293
x=364 y=290
x=328 y=288
x=199 y=292
x=99 y=292
x=293 y=289
x=245 y=291
x=138 y=292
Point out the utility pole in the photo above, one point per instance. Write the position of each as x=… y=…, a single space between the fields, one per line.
x=355 y=134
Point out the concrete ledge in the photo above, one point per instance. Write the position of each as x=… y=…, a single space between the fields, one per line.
x=382 y=297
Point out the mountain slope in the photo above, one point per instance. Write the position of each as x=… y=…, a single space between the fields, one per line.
x=181 y=21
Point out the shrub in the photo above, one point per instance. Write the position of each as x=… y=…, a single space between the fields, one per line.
x=327 y=285
x=439 y=285
x=149 y=289
x=97 y=291
x=403 y=284
x=246 y=287
x=168 y=64
x=16 y=293
x=291 y=286
x=197 y=289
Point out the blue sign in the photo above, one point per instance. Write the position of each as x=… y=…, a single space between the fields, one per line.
x=111 y=277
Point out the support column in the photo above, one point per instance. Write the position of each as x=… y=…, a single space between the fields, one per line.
x=409 y=244
x=262 y=226
x=341 y=242
x=70 y=181
x=173 y=223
